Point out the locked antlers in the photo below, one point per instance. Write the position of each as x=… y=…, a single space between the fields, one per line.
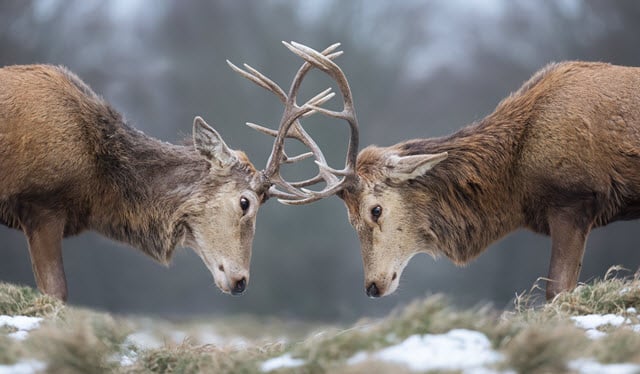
x=294 y=193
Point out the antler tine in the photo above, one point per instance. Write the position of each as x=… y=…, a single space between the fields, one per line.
x=313 y=196
x=289 y=190
x=274 y=192
x=259 y=79
x=348 y=113
x=308 y=182
x=262 y=129
x=294 y=159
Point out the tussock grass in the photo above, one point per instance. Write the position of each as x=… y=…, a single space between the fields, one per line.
x=80 y=342
x=534 y=337
x=543 y=348
x=16 y=300
x=190 y=358
x=621 y=345
x=613 y=294
x=8 y=350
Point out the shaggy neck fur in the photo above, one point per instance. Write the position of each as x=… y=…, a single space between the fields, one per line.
x=149 y=188
x=471 y=202
x=475 y=195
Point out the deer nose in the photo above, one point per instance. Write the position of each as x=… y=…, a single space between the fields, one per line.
x=239 y=287
x=372 y=290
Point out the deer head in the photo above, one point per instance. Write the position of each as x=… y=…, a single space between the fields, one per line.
x=240 y=189
x=221 y=223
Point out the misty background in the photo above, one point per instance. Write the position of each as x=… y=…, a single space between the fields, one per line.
x=416 y=69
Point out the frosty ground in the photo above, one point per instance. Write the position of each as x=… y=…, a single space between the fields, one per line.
x=594 y=329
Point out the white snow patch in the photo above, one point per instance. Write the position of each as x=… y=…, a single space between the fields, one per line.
x=20 y=322
x=589 y=366
x=23 y=367
x=144 y=340
x=284 y=361
x=458 y=349
x=632 y=310
x=128 y=358
x=209 y=337
x=178 y=336
x=595 y=334
x=23 y=324
x=19 y=335
x=358 y=358
x=593 y=321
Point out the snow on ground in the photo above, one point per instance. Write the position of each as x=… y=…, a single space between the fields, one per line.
x=588 y=366
x=144 y=340
x=23 y=324
x=458 y=349
x=284 y=361
x=468 y=351
x=591 y=322
x=209 y=336
x=23 y=367
x=465 y=350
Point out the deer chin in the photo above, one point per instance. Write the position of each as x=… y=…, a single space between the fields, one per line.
x=391 y=286
x=226 y=274
x=221 y=280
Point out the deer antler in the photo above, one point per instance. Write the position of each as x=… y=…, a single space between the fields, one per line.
x=294 y=193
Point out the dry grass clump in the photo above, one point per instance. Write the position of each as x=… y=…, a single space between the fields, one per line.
x=9 y=351
x=621 y=345
x=615 y=293
x=26 y=301
x=612 y=294
x=540 y=337
x=80 y=342
x=189 y=358
x=543 y=348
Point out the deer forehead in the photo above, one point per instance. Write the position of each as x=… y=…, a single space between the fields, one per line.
x=379 y=194
x=232 y=191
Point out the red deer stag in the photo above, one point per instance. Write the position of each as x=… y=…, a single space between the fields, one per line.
x=69 y=163
x=560 y=156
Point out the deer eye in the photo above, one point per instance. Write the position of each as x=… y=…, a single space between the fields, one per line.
x=244 y=204
x=376 y=212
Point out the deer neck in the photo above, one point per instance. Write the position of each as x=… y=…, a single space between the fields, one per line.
x=474 y=200
x=149 y=194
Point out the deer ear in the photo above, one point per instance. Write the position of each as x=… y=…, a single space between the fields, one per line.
x=410 y=167
x=210 y=144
